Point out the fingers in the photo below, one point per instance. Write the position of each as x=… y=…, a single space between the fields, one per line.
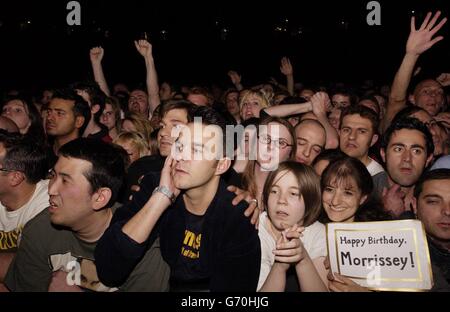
x=433 y=20
x=250 y=210
x=232 y=188
x=289 y=244
x=238 y=198
x=435 y=40
x=438 y=27
x=336 y=286
x=135 y=188
x=413 y=24
x=255 y=216
x=425 y=22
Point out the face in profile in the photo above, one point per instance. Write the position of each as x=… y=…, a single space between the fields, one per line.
x=286 y=205
x=60 y=119
x=71 y=197
x=197 y=155
x=17 y=111
x=172 y=119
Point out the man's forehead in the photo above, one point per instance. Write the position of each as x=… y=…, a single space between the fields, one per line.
x=356 y=119
x=176 y=114
x=428 y=84
x=71 y=165
x=61 y=104
x=408 y=136
x=437 y=186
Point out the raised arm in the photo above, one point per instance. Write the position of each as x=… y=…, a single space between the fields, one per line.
x=96 y=56
x=145 y=49
x=236 y=80
x=288 y=109
x=286 y=69
x=419 y=41
x=320 y=101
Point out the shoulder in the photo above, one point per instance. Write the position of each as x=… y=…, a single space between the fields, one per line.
x=314 y=240
x=314 y=230
x=224 y=200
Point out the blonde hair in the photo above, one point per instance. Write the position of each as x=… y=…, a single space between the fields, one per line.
x=263 y=100
x=141 y=124
x=136 y=139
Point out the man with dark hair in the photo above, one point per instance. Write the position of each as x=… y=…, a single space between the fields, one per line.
x=95 y=97
x=407 y=149
x=68 y=115
x=56 y=252
x=358 y=132
x=208 y=243
x=23 y=191
x=432 y=207
x=172 y=113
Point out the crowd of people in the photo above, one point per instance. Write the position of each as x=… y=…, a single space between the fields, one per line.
x=127 y=189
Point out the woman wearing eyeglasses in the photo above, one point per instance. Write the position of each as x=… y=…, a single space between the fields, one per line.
x=275 y=144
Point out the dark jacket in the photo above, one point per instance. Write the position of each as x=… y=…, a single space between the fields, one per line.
x=230 y=249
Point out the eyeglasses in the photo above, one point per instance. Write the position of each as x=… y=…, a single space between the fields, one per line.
x=280 y=143
x=8 y=170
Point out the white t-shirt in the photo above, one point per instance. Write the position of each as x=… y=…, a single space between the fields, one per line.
x=12 y=222
x=374 y=168
x=314 y=241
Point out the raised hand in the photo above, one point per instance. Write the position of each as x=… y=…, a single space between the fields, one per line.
x=144 y=48
x=96 y=54
x=235 y=77
x=320 y=103
x=167 y=175
x=286 y=67
x=421 y=39
x=444 y=79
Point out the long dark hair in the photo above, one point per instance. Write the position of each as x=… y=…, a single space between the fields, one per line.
x=340 y=172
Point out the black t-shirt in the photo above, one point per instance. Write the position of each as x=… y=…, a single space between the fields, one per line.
x=188 y=268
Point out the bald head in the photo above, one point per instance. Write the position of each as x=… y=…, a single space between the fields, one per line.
x=8 y=125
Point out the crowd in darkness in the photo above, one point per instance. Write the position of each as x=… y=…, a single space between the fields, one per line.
x=118 y=183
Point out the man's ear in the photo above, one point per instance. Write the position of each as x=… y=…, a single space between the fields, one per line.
x=374 y=140
x=101 y=198
x=412 y=99
x=15 y=178
x=79 y=121
x=383 y=154
x=95 y=108
x=223 y=165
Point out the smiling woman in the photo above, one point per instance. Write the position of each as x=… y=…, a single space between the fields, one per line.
x=347 y=193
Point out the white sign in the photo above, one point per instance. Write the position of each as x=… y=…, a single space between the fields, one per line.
x=390 y=255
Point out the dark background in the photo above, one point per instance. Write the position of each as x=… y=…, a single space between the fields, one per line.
x=326 y=40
